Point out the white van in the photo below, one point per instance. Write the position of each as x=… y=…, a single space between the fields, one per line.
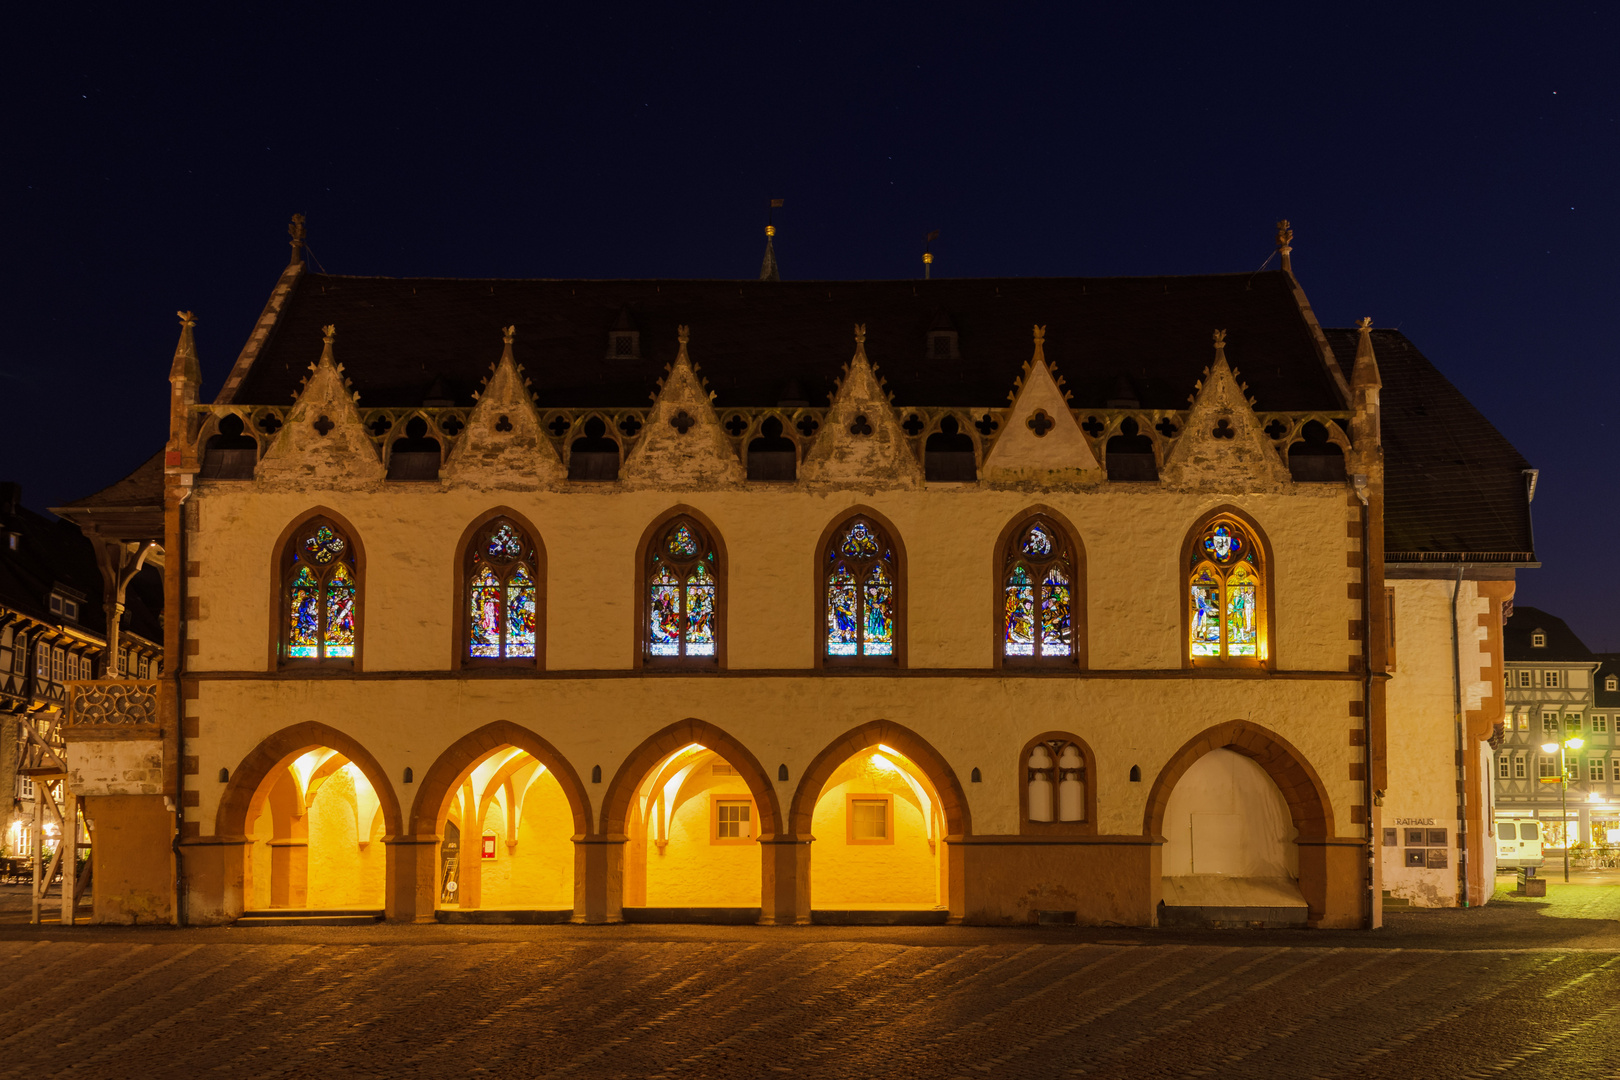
x=1518 y=842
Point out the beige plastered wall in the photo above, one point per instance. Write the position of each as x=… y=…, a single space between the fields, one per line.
x=1422 y=731
x=596 y=710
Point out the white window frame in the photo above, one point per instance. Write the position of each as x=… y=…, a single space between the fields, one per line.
x=1600 y=724
x=1525 y=679
x=1521 y=770
x=1549 y=723
x=58 y=665
x=1597 y=769
x=1504 y=767
x=1552 y=679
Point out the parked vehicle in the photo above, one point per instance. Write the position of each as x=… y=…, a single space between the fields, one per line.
x=1518 y=842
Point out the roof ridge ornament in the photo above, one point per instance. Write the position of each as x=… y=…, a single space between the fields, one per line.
x=1285 y=241
x=185 y=364
x=1040 y=345
x=296 y=230
x=768 y=270
x=1220 y=346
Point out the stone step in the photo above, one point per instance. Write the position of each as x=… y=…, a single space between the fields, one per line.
x=879 y=917
x=505 y=916
x=311 y=917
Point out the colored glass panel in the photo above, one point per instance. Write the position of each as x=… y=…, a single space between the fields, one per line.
x=859 y=543
x=682 y=544
x=1038 y=542
x=1242 y=635
x=1055 y=613
x=520 y=613
x=340 y=613
x=664 y=613
x=700 y=613
x=879 y=603
x=485 y=610
x=304 y=634
x=1206 y=613
x=505 y=544
x=1224 y=544
x=325 y=545
x=1020 y=614
x=842 y=628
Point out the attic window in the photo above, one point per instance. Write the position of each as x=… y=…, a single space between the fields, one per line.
x=56 y=605
x=1538 y=640
x=1611 y=684
x=942 y=345
x=13 y=539
x=624 y=345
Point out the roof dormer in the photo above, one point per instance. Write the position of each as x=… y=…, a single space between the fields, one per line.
x=624 y=340
x=1538 y=638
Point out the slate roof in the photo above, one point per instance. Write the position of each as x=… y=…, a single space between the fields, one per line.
x=1607 y=699
x=762 y=342
x=131 y=509
x=1453 y=485
x=1562 y=643
x=52 y=553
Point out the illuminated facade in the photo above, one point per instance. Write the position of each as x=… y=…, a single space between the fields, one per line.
x=983 y=641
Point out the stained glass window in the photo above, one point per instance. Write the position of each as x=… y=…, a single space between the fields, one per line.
x=1226 y=595
x=682 y=604
x=1038 y=594
x=503 y=581
x=862 y=608
x=321 y=594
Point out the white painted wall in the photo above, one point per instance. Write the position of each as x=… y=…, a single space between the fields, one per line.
x=1227 y=817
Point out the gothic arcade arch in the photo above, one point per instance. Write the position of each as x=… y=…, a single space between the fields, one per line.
x=460 y=758
x=281 y=748
x=616 y=805
x=953 y=802
x=1307 y=797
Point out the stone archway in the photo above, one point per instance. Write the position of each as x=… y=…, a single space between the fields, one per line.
x=953 y=804
x=1329 y=865
x=418 y=896
x=614 y=821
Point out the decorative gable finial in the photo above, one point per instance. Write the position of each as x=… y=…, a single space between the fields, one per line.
x=1220 y=346
x=683 y=334
x=508 y=333
x=1365 y=371
x=1285 y=240
x=1040 y=344
x=329 y=333
x=296 y=230
x=185 y=364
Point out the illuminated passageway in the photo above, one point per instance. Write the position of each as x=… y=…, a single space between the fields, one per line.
x=694 y=831
x=315 y=834
x=506 y=837
x=877 y=828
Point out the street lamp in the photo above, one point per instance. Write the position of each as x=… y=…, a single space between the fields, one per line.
x=1563 y=790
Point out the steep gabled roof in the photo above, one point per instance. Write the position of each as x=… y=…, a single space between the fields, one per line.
x=131 y=509
x=1454 y=488
x=754 y=338
x=1519 y=632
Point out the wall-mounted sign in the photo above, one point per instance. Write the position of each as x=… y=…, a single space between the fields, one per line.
x=489 y=845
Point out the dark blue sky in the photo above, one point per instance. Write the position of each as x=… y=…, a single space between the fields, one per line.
x=1449 y=170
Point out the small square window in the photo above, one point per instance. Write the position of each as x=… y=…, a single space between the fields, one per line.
x=1524 y=679
x=26 y=787
x=869 y=820
x=1600 y=724
x=1546 y=767
x=733 y=821
x=1611 y=683
x=1549 y=722
x=1552 y=680
x=56 y=605
x=1538 y=640
x=1572 y=723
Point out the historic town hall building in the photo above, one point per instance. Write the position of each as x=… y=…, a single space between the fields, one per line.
x=788 y=601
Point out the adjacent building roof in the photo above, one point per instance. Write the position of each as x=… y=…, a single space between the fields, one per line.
x=1603 y=697
x=1455 y=489
x=1518 y=637
x=54 y=556
x=759 y=343
x=131 y=509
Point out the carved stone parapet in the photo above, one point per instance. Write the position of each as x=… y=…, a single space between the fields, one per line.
x=120 y=702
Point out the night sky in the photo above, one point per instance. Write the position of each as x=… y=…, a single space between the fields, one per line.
x=1449 y=170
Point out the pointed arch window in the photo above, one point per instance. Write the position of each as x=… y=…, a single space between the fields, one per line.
x=503 y=585
x=1038 y=594
x=683 y=574
x=1226 y=594
x=861 y=597
x=320 y=595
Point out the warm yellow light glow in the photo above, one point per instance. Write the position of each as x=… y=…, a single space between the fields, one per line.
x=1575 y=744
x=884 y=764
x=1549 y=747
x=890 y=750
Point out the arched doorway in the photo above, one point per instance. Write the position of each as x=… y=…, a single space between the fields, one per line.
x=693 y=808
x=505 y=808
x=314 y=831
x=312 y=807
x=881 y=805
x=1247 y=831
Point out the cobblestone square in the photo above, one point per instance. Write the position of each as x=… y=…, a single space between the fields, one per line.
x=1522 y=988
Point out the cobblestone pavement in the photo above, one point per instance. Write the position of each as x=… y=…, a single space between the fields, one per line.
x=1520 y=988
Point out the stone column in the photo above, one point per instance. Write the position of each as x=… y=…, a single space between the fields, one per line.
x=599 y=879
x=412 y=875
x=785 y=884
